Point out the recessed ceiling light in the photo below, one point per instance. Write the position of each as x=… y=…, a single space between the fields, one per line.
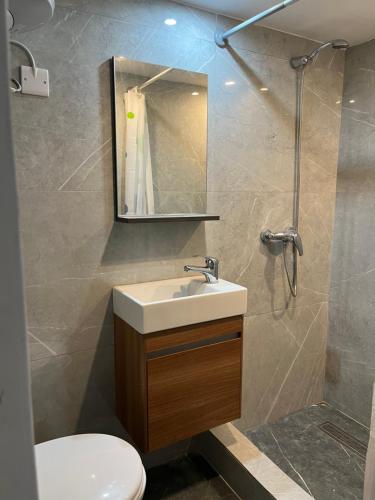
x=338 y=102
x=170 y=21
x=195 y=93
x=352 y=101
x=229 y=83
x=264 y=89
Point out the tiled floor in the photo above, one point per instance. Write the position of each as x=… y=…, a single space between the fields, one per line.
x=189 y=478
x=325 y=468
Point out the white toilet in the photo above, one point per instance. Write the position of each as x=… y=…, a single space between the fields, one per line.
x=89 y=467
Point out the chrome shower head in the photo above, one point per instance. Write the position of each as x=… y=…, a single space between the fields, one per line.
x=340 y=44
x=298 y=62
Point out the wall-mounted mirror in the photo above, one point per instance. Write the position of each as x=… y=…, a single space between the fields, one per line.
x=160 y=118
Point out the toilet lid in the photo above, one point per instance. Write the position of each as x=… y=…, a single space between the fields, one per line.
x=88 y=467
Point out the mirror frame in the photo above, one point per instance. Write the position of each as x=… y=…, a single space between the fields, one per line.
x=131 y=219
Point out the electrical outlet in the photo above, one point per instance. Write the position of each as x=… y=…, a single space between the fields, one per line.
x=35 y=84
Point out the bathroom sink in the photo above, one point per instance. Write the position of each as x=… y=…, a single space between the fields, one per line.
x=160 y=305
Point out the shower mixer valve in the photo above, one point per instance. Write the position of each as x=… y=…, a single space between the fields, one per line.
x=288 y=236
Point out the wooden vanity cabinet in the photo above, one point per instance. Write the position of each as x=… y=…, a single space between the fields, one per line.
x=174 y=384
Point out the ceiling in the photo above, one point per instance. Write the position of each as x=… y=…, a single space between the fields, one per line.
x=319 y=20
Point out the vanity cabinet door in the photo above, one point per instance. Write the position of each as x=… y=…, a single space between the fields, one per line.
x=192 y=391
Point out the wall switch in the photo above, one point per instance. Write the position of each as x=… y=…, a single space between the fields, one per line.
x=35 y=85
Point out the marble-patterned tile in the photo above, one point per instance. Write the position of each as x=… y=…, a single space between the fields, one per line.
x=270 y=480
x=352 y=253
x=260 y=267
x=265 y=41
x=369 y=477
x=94 y=173
x=320 y=131
x=360 y=57
x=37 y=348
x=325 y=77
x=349 y=382
x=79 y=106
x=305 y=380
x=48 y=160
x=80 y=100
x=284 y=357
x=115 y=37
x=56 y=340
x=70 y=235
x=78 y=303
x=241 y=165
x=323 y=91
x=74 y=393
x=350 y=366
x=69 y=303
x=74 y=108
x=356 y=173
x=318 y=176
x=244 y=259
x=332 y=60
x=239 y=78
x=189 y=21
x=64 y=235
x=357 y=93
x=249 y=160
x=316 y=226
x=185 y=52
x=55 y=38
x=352 y=315
x=322 y=466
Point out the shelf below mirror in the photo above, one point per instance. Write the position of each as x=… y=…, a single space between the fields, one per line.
x=131 y=219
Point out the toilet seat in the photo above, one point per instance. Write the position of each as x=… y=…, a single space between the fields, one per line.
x=89 y=467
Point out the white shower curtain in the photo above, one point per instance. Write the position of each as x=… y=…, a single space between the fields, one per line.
x=139 y=193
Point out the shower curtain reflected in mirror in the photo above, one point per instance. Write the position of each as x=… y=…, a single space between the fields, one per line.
x=139 y=193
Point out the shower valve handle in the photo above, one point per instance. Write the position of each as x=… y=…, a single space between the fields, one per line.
x=288 y=236
x=297 y=241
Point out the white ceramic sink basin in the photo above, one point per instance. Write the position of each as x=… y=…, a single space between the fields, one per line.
x=160 y=305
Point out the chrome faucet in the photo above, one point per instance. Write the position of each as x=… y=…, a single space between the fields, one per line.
x=210 y=271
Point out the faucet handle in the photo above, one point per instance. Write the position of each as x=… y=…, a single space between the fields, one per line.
x=211 y=262
x=298 y=243
x=213 y=265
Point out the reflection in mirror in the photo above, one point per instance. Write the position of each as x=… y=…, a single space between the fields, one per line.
x=161 y=141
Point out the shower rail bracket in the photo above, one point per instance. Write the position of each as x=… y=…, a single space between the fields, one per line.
x=221 y=39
